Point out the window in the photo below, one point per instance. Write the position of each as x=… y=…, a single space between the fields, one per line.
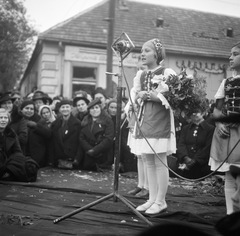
x=83 y=78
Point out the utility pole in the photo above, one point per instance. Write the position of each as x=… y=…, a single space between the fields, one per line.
x=111 y=22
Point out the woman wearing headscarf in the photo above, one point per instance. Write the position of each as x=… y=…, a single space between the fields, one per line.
x=47 y=115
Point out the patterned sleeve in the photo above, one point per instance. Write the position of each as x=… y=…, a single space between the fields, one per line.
x=137 y=81
x=134 y=90
x=136 y=85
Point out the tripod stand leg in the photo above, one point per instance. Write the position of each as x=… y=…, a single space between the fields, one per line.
x=83 y=208
x=132 y=204
x=128 y=204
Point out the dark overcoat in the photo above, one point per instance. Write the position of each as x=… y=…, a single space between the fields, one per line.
x=13 y=161
x=196 y=144
x=19 y=125
x=65 y=145
x=96 y=135
x=38 y=140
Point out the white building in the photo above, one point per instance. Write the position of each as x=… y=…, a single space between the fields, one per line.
x=73 y=54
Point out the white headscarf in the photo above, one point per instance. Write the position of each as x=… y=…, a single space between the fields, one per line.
x=52 y=117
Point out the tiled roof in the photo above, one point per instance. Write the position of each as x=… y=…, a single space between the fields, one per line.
x=183 y=30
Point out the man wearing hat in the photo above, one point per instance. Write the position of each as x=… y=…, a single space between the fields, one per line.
x=17 y=98
x=40 y=98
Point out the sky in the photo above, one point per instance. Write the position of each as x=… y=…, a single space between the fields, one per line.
x=44 y=14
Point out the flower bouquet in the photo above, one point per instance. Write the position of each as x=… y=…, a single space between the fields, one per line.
x=186 y=93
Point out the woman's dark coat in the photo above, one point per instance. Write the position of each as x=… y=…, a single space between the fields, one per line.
x=13 y=161
x=80 y=115
x=65 y=145
x=19 y=125
x=127 y=159
x=197 y=147
x=38 y=139
x=97 y=136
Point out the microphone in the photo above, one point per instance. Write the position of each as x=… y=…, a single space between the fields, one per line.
x=122 y=46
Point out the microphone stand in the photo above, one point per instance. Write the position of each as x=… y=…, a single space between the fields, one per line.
x=115 y=195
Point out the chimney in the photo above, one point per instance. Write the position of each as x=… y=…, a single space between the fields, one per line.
x=159 y=22
x=229 y=32
x=122 y=5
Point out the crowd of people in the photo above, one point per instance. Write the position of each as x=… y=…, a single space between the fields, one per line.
x=76 y=133
x=79 y=132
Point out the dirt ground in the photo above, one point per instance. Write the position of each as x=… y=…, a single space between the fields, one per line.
x=31 y=208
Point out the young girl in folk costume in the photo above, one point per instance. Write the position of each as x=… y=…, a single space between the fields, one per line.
x=226 y=135
x=154 y=133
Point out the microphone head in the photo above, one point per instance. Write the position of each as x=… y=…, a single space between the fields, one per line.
x=122 y=46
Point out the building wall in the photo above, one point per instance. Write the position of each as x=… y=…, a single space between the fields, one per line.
x=50 y=69
x=31 y=79
x=96 y=58
x=212 y=69
x=54 y=69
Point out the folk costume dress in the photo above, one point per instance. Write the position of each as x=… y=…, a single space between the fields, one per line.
x=154 y=132
x=229 y=90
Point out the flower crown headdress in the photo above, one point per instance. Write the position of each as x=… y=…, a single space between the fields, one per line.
x=158 y=45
